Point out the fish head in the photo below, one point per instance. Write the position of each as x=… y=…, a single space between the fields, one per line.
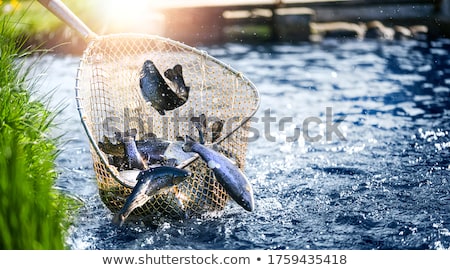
x=164 y=176
x=149 y=74
x=149 y=67
x=246 y=199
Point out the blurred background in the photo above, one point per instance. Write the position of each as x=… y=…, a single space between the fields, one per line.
x=198 y=22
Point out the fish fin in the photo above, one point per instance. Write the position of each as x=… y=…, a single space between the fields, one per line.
x=170 y=74
x=171 y=162
x=216 y=130
x=118 y=136
x=106 y=139
x=178 y=70
x=200 y=124
x=188 y=143
x=102 y=144
x=149 y=135
x=216 y=147
x=118 y=219
x=179 y=198
x=161 y=112
x=201 y=137
x=202 y=118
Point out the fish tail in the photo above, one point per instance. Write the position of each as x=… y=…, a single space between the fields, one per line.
x=118 y=219
x=170 y=74
x=178 y=70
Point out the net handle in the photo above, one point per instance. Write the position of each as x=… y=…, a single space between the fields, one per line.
x=60 y=10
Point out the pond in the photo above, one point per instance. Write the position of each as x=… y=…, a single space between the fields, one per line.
x=351 y=151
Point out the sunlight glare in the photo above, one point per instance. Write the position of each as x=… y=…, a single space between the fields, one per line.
x=131 y=16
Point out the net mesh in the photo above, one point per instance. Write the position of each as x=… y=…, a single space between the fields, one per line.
x=109 y=101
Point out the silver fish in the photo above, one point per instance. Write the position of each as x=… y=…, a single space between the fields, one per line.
x=226 y=172
x=175 y=75
x=149 y=183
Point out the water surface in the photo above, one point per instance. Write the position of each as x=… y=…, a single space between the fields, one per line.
x=383 y=185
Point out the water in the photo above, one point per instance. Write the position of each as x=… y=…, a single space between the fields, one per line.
x=383 y=183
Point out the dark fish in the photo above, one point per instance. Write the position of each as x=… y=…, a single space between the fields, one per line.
x=175 y=75
x=132 y=155
x=229 y=176
x=156 y=91
x=152 y=150
x=201 y=124
x=115 y=149
x=149 y=183
x=216 y=130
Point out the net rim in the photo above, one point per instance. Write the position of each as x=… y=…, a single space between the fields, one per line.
x=184 y=46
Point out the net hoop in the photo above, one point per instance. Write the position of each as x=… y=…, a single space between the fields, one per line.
x=107 y=88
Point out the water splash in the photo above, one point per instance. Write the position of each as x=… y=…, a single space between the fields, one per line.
x=386 y=187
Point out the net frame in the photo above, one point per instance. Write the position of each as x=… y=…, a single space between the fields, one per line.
x=101 y=96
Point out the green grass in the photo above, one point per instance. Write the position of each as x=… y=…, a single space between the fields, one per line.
x=35 y=19
x=32 y=213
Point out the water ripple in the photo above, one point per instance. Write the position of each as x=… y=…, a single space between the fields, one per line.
x=385 y=187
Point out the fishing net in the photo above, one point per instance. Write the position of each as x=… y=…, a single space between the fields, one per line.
x=110 y=101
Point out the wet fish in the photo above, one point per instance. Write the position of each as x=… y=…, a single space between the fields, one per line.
x=227 y=173
x=115 y=149
x=201 y=124
x=156 y=91
x=132 y=155
x=149 y=183
x=175 y=75
x=152 y=150
x=216 y=130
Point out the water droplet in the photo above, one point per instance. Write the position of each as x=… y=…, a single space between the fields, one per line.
x=213 y=165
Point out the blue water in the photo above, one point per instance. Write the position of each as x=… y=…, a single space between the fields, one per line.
x=382 y=184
